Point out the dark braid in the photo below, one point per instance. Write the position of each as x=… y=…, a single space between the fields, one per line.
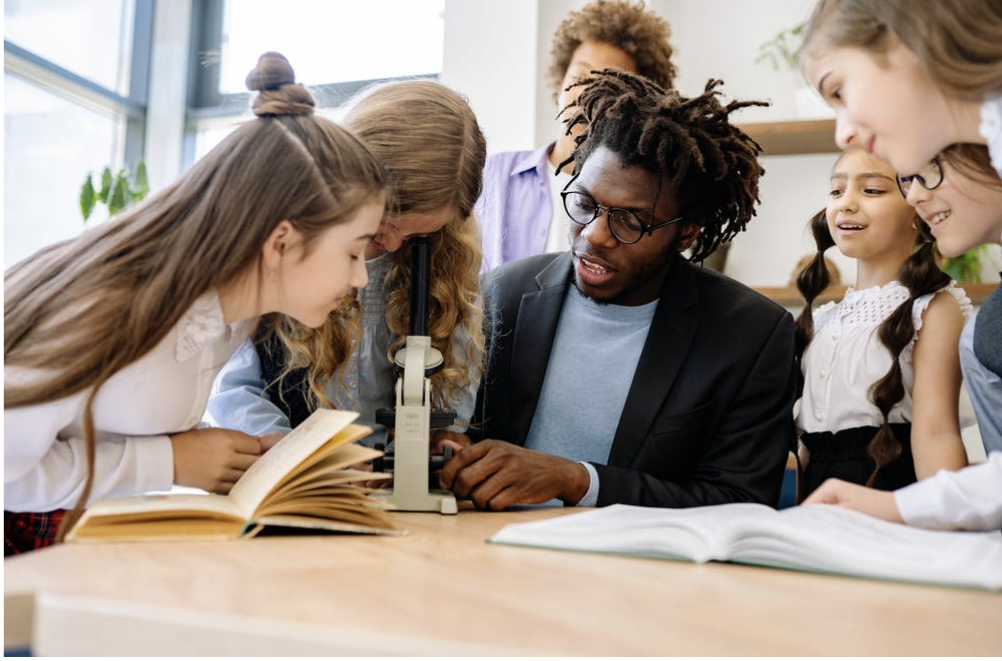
x=710 y=164
x=922 y=276
x=811 y=281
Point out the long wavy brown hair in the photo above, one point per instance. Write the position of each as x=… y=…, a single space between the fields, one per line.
x=83 y=309
x=433 y=149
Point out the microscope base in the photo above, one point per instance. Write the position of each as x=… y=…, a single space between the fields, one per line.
x=433 y=500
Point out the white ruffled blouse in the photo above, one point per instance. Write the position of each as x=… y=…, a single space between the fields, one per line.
x=162 y=393
x=846 y=357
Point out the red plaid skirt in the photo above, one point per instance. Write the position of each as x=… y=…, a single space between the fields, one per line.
x=29 y=531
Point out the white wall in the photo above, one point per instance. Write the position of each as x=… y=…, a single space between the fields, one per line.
x=490 y=56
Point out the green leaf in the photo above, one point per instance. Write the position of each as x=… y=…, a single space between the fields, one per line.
x=117 y=199
x=87 y=197
x=106 y=181
x=140 y=187
x=965 y=267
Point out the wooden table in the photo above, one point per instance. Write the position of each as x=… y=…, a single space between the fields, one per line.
x=440 y=590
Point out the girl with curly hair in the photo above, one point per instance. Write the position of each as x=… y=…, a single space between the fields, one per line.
x=431 y=145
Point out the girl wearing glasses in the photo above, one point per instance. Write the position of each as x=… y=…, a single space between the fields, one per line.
x=880 y=396
x=907 y=79
x=429 y=140
x=959 y=195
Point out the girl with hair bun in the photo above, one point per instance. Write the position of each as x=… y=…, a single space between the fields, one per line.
x=880 y=394
x=112 y=339
x=428 y=139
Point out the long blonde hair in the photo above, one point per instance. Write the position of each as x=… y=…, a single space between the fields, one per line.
x=956 y=41
x=431 y=145
x=85 y=308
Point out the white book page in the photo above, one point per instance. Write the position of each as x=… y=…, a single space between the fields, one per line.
x=276 y=463
x=836 y=539
x=164 y=502
x=699 y=534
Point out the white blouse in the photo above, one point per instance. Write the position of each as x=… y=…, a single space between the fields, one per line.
x=162 y=393
x=846 y=357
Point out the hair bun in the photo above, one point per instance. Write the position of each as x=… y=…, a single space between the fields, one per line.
x=278 y=92
x=272 y=71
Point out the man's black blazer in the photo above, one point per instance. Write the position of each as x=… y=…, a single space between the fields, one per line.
x=709 y=416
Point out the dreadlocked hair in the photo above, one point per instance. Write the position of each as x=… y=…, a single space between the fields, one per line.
x=708 y=162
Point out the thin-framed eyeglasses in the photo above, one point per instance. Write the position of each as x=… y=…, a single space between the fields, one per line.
x=624 y=224
x=928 y=177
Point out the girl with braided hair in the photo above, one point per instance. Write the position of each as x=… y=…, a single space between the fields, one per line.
x=880 y=395
x=112 y=339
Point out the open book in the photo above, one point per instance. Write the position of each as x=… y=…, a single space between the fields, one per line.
x=817 y=538
x=302 y=482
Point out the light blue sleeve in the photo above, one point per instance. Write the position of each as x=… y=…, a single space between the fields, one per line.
x=237 y=400
x=463 y=401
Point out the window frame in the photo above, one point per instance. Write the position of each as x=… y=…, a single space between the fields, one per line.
x=45 y=74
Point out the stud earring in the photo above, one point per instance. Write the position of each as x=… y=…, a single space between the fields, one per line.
x=270 y=273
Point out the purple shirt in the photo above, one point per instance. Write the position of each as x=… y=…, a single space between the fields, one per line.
x=515 y=208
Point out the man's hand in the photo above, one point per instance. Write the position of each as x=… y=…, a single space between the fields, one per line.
x=496 y=475
x=441 y=438
x=880 y=504
x=212 y=459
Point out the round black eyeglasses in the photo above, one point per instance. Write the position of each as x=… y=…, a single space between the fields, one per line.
x=625 y=225
x=928 y=177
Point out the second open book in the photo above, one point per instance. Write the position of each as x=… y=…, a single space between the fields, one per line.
x=304 y=481
x=818 y=538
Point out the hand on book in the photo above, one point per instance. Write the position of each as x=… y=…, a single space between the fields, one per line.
x=212 y=459
x=496 y=475
x=269 y=440
x=880 y=504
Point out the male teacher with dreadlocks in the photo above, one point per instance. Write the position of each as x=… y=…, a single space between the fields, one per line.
x=619 y=372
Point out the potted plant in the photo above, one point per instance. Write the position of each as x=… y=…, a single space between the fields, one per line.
x=117 y=191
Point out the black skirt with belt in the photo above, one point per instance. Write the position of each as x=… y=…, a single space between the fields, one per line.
x=843 y=455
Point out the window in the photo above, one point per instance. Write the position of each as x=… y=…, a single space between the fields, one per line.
x=75 y=89
x=337 y=47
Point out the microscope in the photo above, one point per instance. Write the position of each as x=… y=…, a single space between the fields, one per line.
x=413 y=418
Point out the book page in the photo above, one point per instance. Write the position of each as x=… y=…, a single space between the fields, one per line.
x=838 y=540
x=156 y=505
x=322 y=426
x=699 y=534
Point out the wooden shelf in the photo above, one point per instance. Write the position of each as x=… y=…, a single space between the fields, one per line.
x=790 y=297
x=813 y=136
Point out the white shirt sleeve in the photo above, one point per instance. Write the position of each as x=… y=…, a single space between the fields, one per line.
x=43 y=472
x=970 y=498
x=590 y=499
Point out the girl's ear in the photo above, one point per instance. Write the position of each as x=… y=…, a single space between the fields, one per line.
x=278 y=243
